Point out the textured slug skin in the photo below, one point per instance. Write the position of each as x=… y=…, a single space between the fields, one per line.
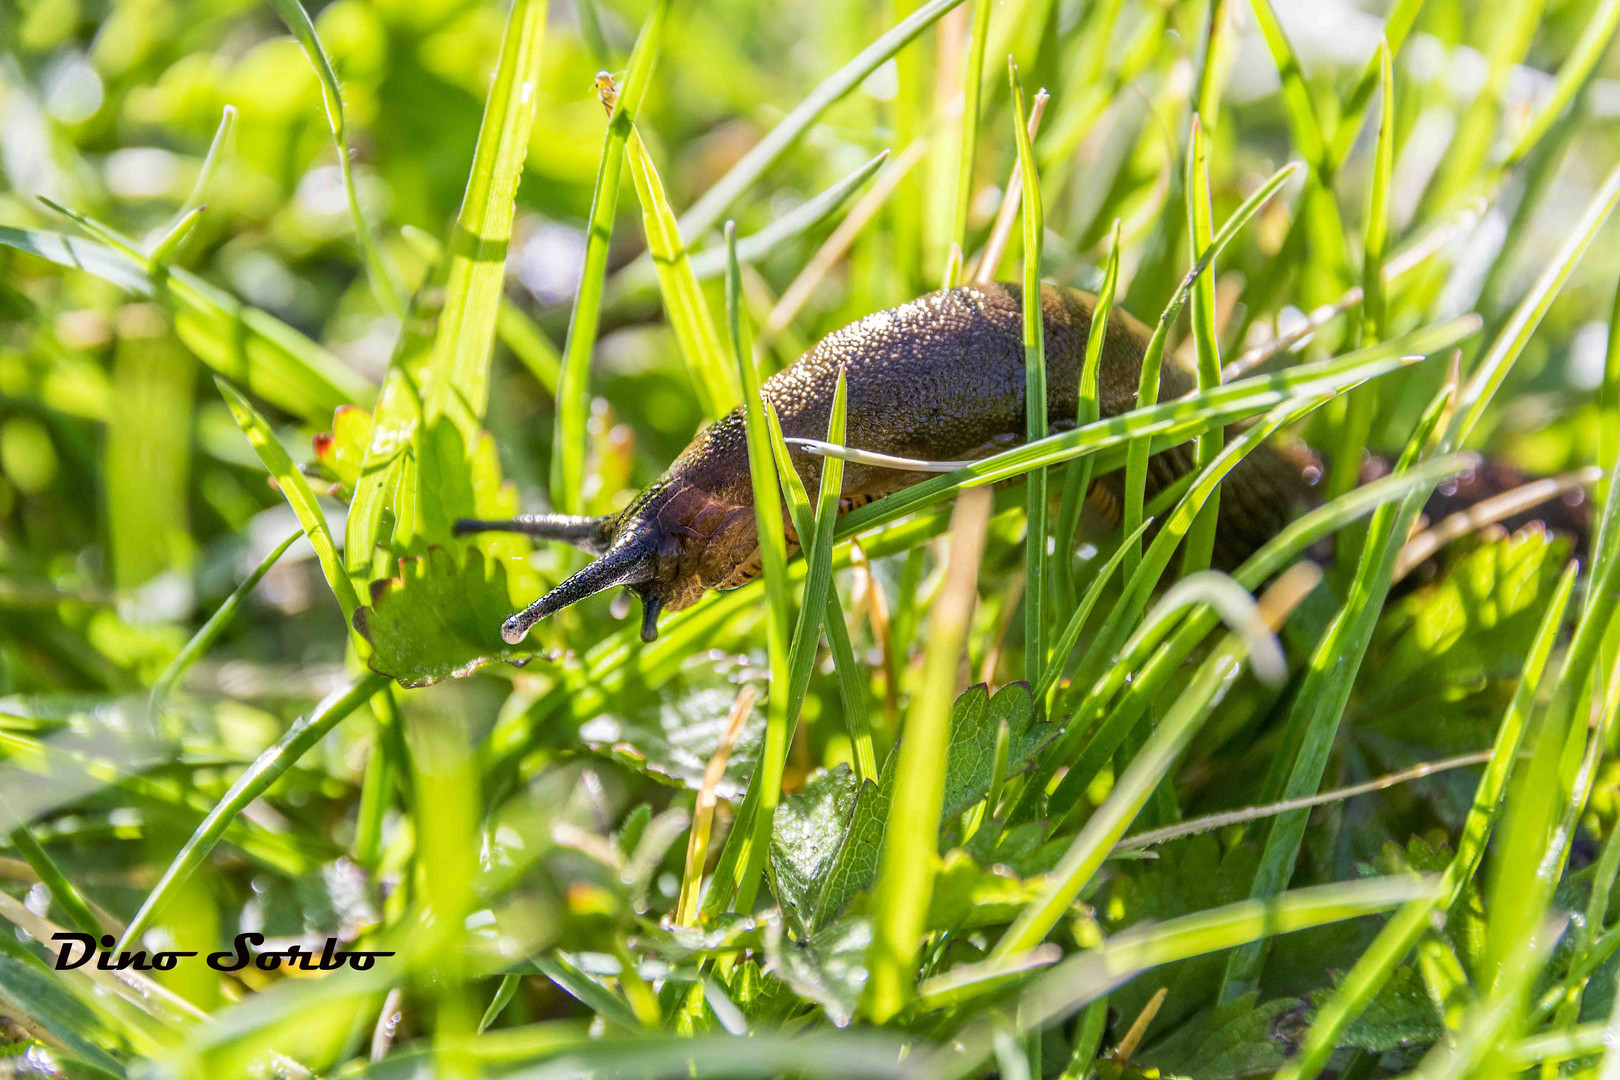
x=941 y=377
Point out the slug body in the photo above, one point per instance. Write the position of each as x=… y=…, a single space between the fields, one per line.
x=941 y=377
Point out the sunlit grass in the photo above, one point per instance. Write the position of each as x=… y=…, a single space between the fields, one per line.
x=785 y=838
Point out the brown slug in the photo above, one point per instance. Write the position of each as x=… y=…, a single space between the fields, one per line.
x=941 y=377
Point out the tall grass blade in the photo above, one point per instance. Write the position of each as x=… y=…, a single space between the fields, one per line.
x=573 y=383
x=456 y=382
x=1034 y=392
x=906 y=869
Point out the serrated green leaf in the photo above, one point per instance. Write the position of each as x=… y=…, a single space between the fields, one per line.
x=807 y=832
x=439 y=618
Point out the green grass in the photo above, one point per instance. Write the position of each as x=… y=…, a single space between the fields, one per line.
x=793 y=837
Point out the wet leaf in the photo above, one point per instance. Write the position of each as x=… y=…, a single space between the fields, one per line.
x=439 y=618
x=807 y=832
x=829 y=969
x=1240 y=1038
x=670 y=734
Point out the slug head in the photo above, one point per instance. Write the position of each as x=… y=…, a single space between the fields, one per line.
x=668 y=547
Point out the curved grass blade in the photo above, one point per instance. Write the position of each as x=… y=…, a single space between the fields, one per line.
x=253 y=782
x=296 y=490
x=209 y=632
x=1133 y=788
x=382 y=284
x=707 y=211
x=246 y=345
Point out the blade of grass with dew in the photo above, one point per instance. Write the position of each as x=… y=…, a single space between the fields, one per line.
x=729 y=879
x=296 y=490
x=1200 y=544
x=63 y=892
x=1319 y=703
x=1077 y=477
x=906 y=866
x=684 y=305
x=204 y=638
x=1375 y=965
x=1147 y=393
x=297 y=19
x=1086 y=976
x=246 y=345
x=1133 y=788
x=1149 y=678
x=455 y=383
x=253 y=782
x=1034 y=319
x=707 y=211
x=573 y=384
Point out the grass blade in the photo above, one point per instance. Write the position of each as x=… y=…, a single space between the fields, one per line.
x=1077 y=477
x=1200 y=229
x=708 y=210
x=297 y=19
x=906 y=869
x=1034 y=393
x=684 y=306
x=253 y=782
x=209 y=632
x=456 y=382
x=246 y=345
x=573 y=383
x=742 y=851
x=296 y=490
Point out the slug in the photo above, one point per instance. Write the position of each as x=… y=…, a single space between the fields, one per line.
x=941 y=377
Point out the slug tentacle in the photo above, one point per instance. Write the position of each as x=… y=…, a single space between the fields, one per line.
x=592 y=534
x=629 y=562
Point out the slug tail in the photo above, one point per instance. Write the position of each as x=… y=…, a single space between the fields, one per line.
x=592 y=534
x=627 y=565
